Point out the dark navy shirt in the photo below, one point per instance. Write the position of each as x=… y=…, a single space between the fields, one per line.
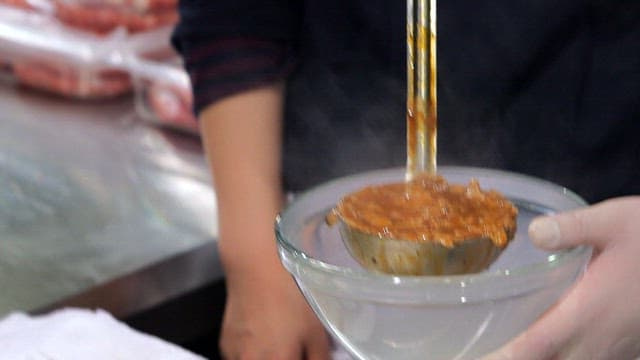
x=548 y=88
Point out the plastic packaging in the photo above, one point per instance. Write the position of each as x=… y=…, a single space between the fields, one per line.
x=38 y=51
x=104 y=16
x=23 y=4
x=34 y=5
x=163 y=93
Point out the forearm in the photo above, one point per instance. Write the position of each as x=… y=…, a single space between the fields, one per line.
x=242 y=138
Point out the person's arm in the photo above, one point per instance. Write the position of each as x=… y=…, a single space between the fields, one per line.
x=600 y=317
x=237 y=54
x=266 y=317
x=241 y=135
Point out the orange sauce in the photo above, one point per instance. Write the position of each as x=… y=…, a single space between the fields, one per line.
x=430 y=209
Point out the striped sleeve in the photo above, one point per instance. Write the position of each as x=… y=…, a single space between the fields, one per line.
x=225 y=53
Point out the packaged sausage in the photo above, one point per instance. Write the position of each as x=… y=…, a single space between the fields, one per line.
x=104 y=16
x=37 y=51
x=64 y=78
x=23 y=4
x=41 y=53
x=163 y=93
x=33 y=5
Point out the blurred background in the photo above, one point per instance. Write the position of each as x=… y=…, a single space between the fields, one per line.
x=105 y=198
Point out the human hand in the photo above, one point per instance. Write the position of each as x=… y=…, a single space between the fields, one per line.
x=266 y=317
x=599 y=318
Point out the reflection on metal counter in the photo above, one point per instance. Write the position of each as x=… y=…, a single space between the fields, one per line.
x=88 y=195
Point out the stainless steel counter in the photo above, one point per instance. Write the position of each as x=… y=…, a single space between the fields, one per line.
x=98 y=209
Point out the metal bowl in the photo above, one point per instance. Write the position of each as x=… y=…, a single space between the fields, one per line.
x=404 y=257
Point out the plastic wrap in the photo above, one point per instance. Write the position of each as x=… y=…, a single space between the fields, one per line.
x=103 y=16
x=35 y=5
x=163 y=93
x=24 y=4
x=38 y=51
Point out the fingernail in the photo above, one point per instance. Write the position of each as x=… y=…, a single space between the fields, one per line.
x=545 y=232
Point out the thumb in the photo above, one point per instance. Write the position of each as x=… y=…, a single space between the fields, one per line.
x=594 y=225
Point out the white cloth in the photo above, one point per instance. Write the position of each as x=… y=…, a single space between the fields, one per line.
x=79 y=334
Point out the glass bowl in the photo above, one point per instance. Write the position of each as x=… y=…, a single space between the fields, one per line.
x=378 y=316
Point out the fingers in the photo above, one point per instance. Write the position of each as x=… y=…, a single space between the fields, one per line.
x=595 y=225
x=582 y=321
x=549 y=335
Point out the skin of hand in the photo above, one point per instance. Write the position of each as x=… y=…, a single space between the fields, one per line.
x=599 y=318
x=265 y=316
